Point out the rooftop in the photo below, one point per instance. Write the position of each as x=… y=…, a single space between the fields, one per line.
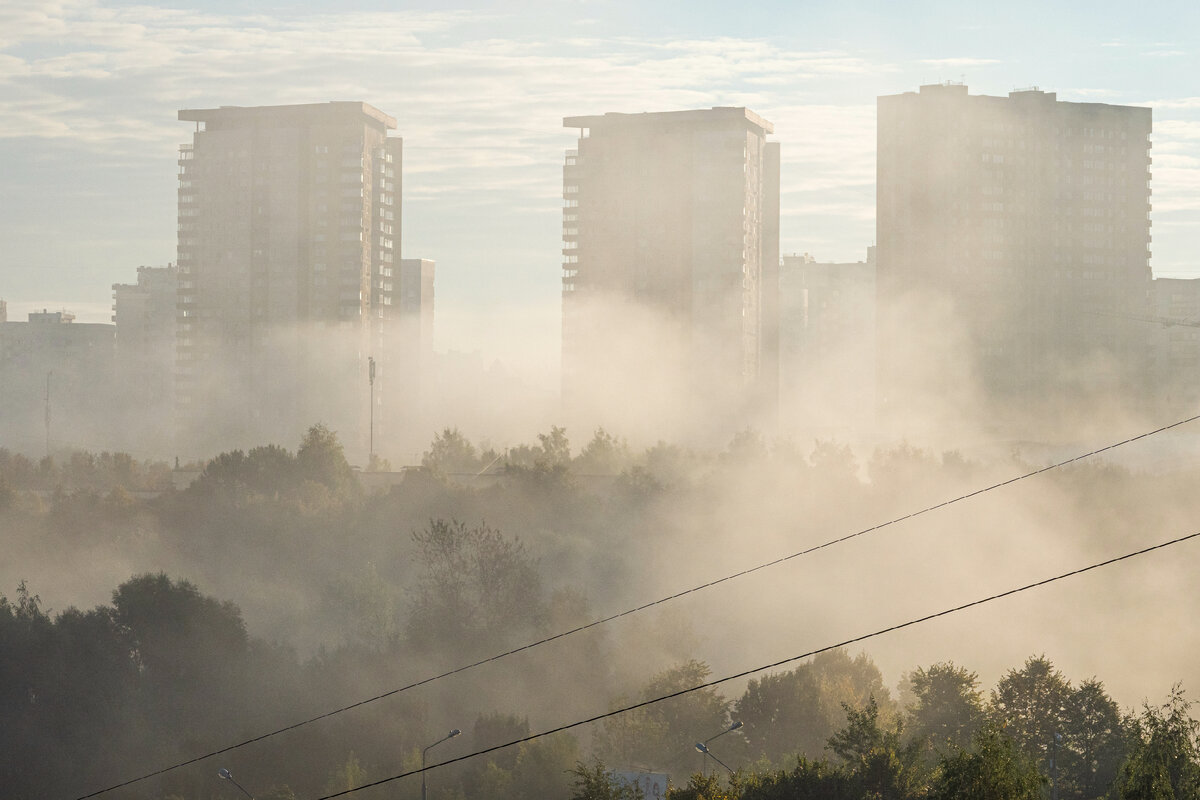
x=717 y=114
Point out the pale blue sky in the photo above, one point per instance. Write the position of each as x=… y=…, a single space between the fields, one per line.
x=89 y=91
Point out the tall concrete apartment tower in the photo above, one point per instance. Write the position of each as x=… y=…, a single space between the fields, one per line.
x=1013 y=251
x=289 y=230
x=670 y=271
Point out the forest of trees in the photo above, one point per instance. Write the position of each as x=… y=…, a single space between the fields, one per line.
x=275 y=589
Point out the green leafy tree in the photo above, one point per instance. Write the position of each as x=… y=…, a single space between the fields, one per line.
x=782 y=714
x=349 y=775
x=1164 y=755
x=598 y=783
x=662 y=736
x=875 y=754
x=1093 y=746
x=947 y=707
x=807 y=780
x=603 y=455
x=477 y=590
x=556 y=449
x=994 y=768
x=321 y=459
x=544 y=767
x=451 y=453
x=1031 y=703
x=704 y=787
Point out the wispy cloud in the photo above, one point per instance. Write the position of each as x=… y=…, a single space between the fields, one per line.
x=959 y=62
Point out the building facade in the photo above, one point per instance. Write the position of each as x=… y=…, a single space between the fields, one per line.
x=1013 y=248
x=1175 y=327
x=289 y=233
x=56 y=384
x=826 y=346
x=144 y=366
x=670 y=267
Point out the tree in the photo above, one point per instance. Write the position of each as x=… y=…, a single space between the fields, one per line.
x=807 y=780
x=556 y=449
x=451 y=453
x=598 y=783
x=993 y=769
x=544 y=767
x=192 y=651
x=948 y=706
x=796 y=712
x=1094 y=743
x=321 y=459
x=875 y=755
x=1164 y=756
x=782 y=714
x=603 y=455
x=478 y=589
x=349 y=775
x=663 y=736
x=1031 y=704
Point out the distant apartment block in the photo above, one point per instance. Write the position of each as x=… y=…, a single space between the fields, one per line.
x=1175 y=330
x=144 y=314
x=56 y=372
x=826 y=345
x=670 y=266
x=1013 y=246
x=289 y=233
x=412 y=317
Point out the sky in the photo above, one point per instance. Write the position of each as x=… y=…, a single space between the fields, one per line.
x=89 y=92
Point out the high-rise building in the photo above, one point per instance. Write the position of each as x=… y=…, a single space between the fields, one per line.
x=289 y=229
x=1175 y=328
x=1013 y=248
x=826 y=345
x=412 y=321
x=144 y=313
x=670 y=269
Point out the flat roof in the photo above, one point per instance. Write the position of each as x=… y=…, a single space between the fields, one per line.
x=312 y=110
x=714 y=114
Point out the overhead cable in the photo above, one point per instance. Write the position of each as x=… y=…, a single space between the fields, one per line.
x=640 y=608
x=745 y=673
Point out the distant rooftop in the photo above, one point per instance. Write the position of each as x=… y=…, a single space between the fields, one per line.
x=703 y=115
x=247 y=115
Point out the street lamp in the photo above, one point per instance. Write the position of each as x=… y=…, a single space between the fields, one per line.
x=447 y=737
x=703 y=746
x=226 y=775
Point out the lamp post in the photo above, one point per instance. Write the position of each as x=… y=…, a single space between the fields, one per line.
x=226 y=775
x=448 y=736
x=703 y=746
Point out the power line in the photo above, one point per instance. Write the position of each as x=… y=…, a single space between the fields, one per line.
x=791 y=659
x=638 y=609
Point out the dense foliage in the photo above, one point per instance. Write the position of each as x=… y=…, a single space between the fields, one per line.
x=276 y=587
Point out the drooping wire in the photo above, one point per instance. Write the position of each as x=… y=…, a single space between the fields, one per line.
x=791 y=659
x=640 y=608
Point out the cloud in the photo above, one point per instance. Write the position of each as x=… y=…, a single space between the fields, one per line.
x=959 y=62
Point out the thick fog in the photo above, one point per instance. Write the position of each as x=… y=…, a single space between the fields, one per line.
x=332 y=515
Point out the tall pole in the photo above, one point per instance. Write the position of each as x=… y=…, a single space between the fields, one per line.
x=704 y=749
x=226 y=775
x=450 y=735
x=371 y=378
